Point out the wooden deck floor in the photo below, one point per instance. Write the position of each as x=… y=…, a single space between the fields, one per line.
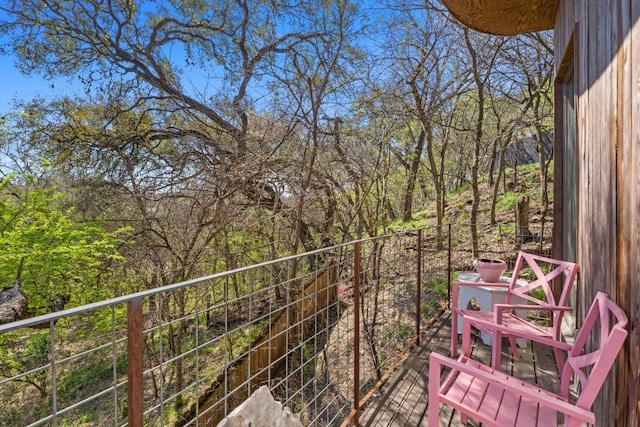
x=402 y=401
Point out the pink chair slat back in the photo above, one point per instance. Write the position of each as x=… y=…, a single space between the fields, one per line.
x=595 y=349
x=564 y=270
x=538 y=264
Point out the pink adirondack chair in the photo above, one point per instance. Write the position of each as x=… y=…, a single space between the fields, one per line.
x=503 y=314
x=497 y=399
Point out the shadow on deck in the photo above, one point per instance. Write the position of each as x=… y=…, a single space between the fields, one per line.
x=403 y=400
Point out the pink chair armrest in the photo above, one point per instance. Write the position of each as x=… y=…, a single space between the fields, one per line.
x=468 y=321
x=503 y=307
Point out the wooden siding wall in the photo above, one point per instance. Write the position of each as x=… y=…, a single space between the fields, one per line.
x=606 y=39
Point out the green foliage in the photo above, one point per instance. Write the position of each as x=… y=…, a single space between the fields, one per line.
x=48 y=249
x=83 y=420
x=465 y=186
x=101 y=320
x=22 y=354
x=427 y=308
x=507 y=202
x=97 y=371
x=308 y=366
x=439 y=284
x=538 y=293
x=419 y=219
x=405 y=330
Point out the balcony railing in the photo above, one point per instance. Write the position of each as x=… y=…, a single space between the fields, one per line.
x=321 y=329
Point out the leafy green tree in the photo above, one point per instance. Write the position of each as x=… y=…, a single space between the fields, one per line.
x=201 y=72
x=57 y=258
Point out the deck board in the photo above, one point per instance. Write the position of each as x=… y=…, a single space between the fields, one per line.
x=402 y=401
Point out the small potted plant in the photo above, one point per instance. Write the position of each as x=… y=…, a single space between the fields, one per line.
x=490 y=269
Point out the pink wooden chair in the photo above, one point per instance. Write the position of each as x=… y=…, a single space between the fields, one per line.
x=497 y=399
x=537 y=295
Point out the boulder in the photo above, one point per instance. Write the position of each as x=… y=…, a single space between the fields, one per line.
x=261 y=410
x=13 y=303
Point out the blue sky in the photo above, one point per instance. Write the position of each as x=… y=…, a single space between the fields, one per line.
x=15 y=85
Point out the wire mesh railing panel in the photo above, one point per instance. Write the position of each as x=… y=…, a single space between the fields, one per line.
x=321 y=330
x=52 y=371
x=387 y=304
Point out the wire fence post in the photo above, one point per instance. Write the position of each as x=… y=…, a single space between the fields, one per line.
x=449 y=267
x=418 y=285
x=356 y=334
x=135 y=364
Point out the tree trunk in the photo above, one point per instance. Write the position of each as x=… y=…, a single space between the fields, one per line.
x=475 y=166
x=522 y=220
x=412 y=177
x=496 y=184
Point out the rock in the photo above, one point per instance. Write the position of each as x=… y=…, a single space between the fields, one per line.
x=261 y=410
x=13 y=303
x=525 y=151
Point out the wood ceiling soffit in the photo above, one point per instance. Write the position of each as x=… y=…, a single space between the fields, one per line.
x=505 y=17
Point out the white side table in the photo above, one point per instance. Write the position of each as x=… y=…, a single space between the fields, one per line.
x=486 y=297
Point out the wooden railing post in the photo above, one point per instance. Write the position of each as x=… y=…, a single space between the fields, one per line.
x=418 y=285
x=135 y=364
x=356 y=333
x=449 y=268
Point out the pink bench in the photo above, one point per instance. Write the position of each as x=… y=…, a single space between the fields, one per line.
x=497 y=399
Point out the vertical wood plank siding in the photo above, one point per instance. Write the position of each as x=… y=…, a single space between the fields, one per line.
x=631 y=279
x=627 y=377
x=607 y=79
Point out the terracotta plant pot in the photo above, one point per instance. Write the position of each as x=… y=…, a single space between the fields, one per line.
x=489 y=269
